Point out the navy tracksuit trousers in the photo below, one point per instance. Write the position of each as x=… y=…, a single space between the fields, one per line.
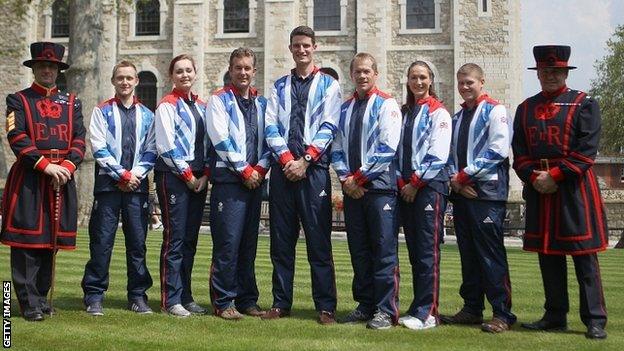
x=102 y=228
x=479 y=230
x=372 y=235
x=423 y=222
x=182 y=211
x=234 y=220
x=308 y=200
x=555 y=279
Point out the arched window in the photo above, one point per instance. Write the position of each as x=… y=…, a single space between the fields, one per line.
x=235 y=16
x=147 y=17
x=60 y=19
x=61 y=82
x=420 y=14
x=147 y=90
x=326 y=15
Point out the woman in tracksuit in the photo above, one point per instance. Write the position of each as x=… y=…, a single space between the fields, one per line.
x=423 y=153
x=181 y=177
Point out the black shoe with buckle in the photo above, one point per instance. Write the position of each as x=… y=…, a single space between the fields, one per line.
x=47 y=309
x=33 y=314
x=596 y=332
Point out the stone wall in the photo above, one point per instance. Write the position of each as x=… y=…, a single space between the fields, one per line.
x=493 y=42
x=191 y=26
x=443 y=38
x=442 y=64
x=14 y=77
x=613 y=207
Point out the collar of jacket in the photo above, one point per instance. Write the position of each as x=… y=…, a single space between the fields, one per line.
x=554 y=94
x=183 y=95
x=477 y=102
x=43 y=91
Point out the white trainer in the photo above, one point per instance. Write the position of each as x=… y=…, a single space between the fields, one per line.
x=178 y=310
x=407 y=318
x=416 y=324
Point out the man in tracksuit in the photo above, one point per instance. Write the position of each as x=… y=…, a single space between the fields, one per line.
x=363 y=156
x=480 y=180
x=240 y=160
x=301 y=120
x=122 y=138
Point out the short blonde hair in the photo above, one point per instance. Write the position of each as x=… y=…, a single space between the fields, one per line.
x=469 y=68
x=124 y=63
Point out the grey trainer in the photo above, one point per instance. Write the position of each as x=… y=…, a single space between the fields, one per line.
x=194 y=308
x=380 y=321
x=139 y=306
x=95 y=308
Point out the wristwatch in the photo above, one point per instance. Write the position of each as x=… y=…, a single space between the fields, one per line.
x=307 y=157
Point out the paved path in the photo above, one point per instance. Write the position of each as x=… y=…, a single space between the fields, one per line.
x=510 y=241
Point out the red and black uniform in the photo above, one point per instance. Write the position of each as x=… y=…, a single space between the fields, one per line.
x=559 y=133
x=43 y=127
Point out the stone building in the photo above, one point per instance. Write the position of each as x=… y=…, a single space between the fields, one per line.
x=444 y=33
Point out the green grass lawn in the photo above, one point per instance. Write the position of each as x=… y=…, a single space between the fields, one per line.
x=73 y=329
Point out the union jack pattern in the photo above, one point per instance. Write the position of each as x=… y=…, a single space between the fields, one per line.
x=321 y=116
x=106 y=137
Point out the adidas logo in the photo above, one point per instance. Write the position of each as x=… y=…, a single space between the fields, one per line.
x=429 y=208
x=323 y=193
x=387 y=208
x=488 y=220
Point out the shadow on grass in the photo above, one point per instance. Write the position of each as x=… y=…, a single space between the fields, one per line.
x=519 y=329
x=76 y=305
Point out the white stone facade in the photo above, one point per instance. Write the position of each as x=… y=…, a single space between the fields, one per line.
x=463 y=33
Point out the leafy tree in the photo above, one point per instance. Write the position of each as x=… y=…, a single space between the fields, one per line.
x=608 y=87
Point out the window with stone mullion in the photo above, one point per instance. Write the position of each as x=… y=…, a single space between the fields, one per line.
x=420 y=14
x=235 y=16
x=147 y=17
x=326 y=15
x=60 y=19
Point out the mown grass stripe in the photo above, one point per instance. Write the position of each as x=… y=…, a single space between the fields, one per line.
x=122 y=330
